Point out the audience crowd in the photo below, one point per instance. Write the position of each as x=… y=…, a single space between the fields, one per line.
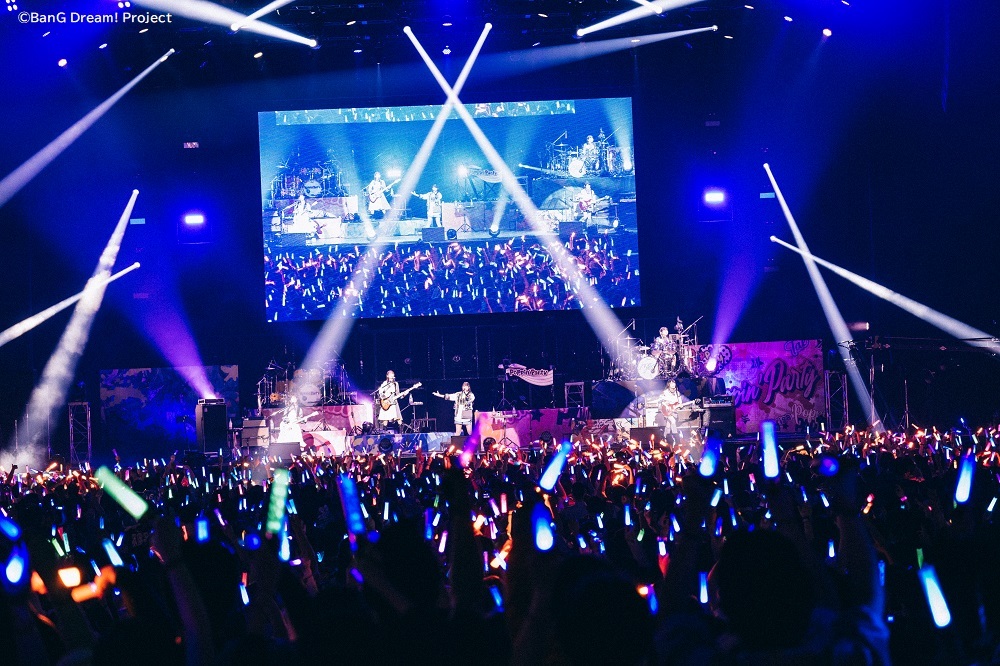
x=465 y=277
x=859 y=548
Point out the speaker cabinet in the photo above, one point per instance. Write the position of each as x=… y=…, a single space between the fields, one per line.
x=210 y=425
x=432 y=234
x=722 y=420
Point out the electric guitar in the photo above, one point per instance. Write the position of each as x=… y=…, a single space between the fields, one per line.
x=670 y=410
x=375 y=194
x=386 y=403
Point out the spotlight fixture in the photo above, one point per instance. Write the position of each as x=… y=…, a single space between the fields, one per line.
x=452 y=235
x=788 y=18
x=827 y=32
x=446 y=50
x=259 y=54
x=714 y=196
x=62 y=62
x=103 y=46
x=494 y=230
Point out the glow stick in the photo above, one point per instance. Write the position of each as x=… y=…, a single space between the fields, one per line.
x=352 y=506
x=113 y=556
x=551 y=474
x=965 y=471
x=541 y=524
x=276 y=507
x=770 y=443
x=121 y=493
x=935 y=597
x=710 y=456
x=703 y=587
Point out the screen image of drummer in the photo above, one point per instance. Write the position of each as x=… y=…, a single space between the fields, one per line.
x=321 y=170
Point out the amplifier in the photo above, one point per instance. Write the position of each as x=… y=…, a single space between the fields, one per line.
x=718 y=401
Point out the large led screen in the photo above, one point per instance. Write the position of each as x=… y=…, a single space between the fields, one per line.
x=341 y=238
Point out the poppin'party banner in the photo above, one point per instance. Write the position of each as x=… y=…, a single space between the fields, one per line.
x=776 y=381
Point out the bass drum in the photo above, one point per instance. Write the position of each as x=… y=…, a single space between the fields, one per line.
x=312 y=188
x=577 y=168
x=647 y=367
x=309 y=393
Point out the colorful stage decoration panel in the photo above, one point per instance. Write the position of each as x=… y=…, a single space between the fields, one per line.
x=151 y=411
x=776 y=381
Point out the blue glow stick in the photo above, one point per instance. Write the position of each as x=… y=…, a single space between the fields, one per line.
x=541 y=526
x=770 y=443
x=710 y=456
x=703 y=587
x=716 y=496
x=552 y=473
x=352 y=506
x=201 y=529
x=966 y=469
x=935 y=597
x=113 y=556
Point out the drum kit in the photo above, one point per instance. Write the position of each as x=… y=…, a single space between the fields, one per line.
x=282 y=386
x=318 y=179
x=664 y=358
x=593 y=158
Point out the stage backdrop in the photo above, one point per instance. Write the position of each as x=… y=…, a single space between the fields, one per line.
x=776 y=381
x=150 y=411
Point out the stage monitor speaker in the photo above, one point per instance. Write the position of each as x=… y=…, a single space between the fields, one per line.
x=722 y=420
x=567 y=228
x=432 y=234
x=284 y=450
x=458 y=443
x=609 y=400
x=210 y=425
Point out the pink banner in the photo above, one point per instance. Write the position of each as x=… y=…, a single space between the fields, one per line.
x=776 y=381
x=524 y=427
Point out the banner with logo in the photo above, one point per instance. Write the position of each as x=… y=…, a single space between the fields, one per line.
x=530 y=375
x=775 y=381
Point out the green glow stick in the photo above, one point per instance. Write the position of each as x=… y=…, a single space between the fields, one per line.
x=121 y=493
x=276 y=508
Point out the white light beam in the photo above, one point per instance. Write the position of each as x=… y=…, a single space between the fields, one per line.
x=23 y=174
x=333 y=336
x=964 y=332
x=22 y=327
x=604 y=323
x=648 y=9
x=209 y=12
x=50 y=392
x=842 y=336
x=266 y=9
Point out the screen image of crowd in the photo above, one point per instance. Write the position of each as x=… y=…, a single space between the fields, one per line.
x=462 y=277
x=861 y=547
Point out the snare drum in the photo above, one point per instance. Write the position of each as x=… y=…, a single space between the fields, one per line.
x=577 y=168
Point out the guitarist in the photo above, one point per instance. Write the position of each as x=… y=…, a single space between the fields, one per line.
x=377 y=202
x=388 y=393
x=670 y=402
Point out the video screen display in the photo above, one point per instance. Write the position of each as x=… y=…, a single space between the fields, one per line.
x=341 y=238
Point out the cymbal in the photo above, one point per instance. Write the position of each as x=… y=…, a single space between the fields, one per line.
x=643 y=347
x=559 y=144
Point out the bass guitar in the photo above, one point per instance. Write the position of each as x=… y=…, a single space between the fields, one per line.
x=387 y=403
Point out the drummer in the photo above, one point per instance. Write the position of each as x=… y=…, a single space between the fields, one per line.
x=665 y=351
